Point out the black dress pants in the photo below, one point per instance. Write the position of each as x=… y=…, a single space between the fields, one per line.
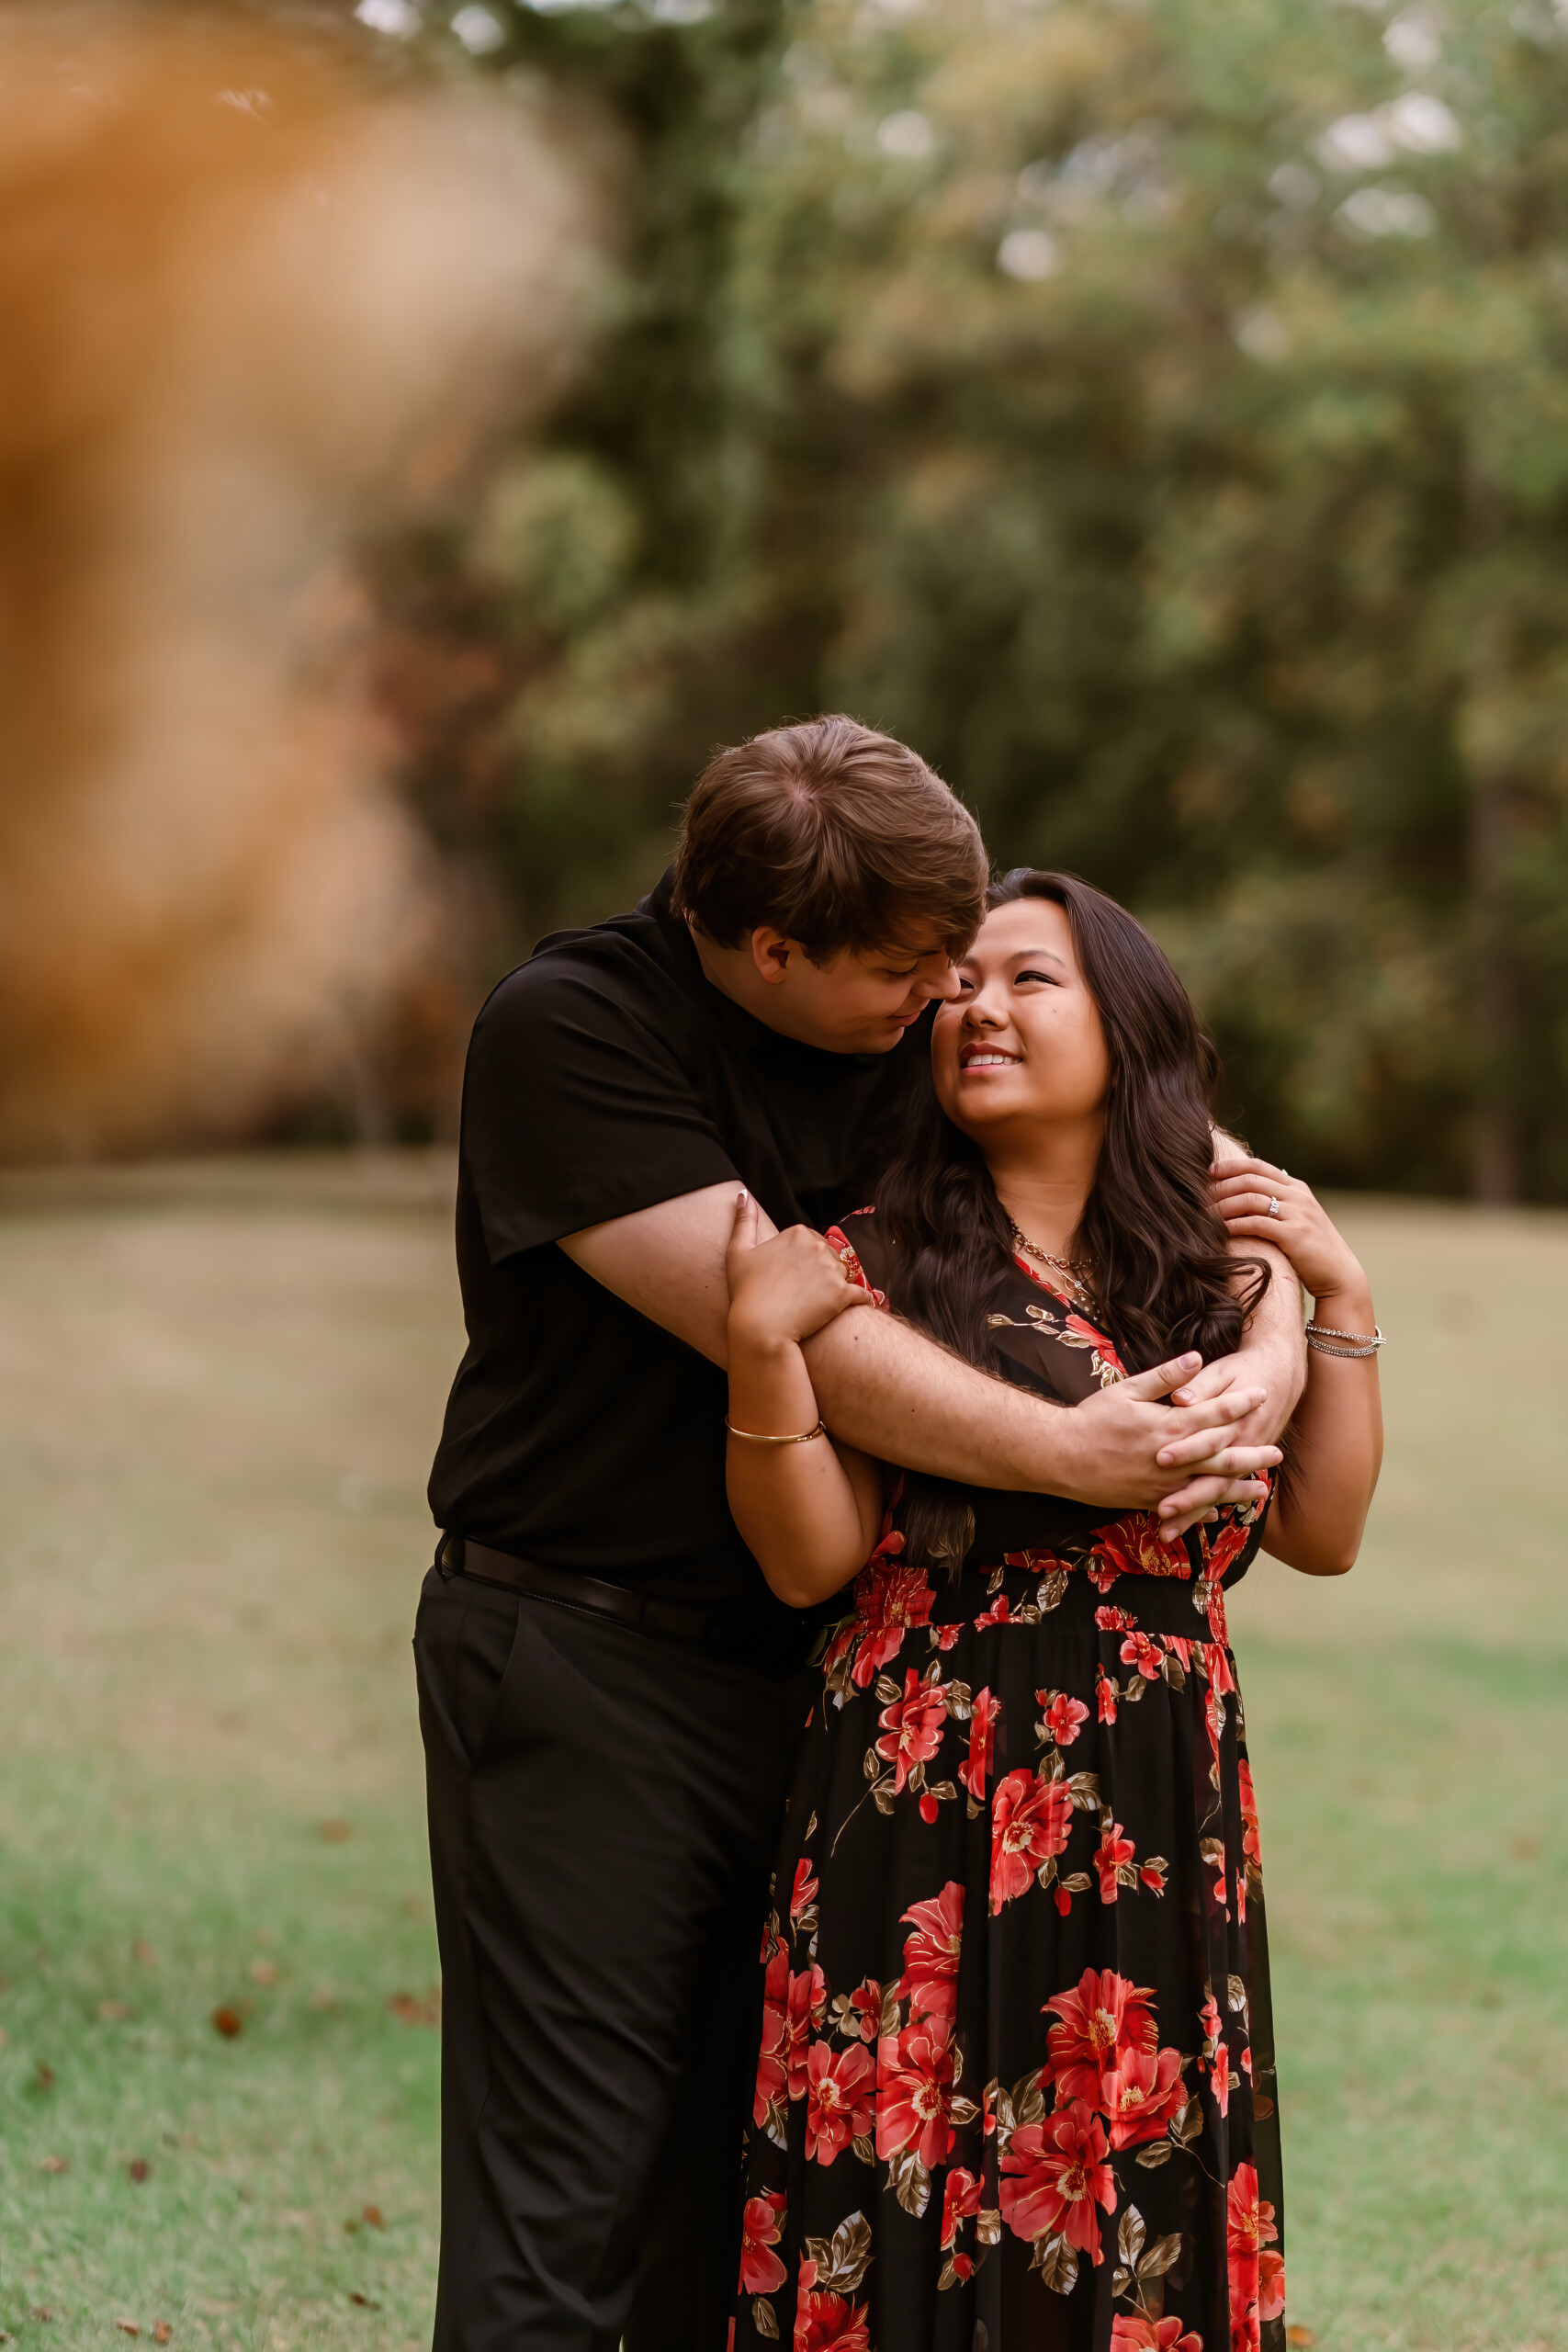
x=603 y=1813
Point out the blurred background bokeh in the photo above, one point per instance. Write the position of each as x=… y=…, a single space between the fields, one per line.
x=427 y=430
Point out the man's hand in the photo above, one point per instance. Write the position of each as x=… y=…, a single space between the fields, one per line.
x=1133 y=1441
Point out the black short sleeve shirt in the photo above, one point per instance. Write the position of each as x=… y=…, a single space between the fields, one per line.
x=604 y=1075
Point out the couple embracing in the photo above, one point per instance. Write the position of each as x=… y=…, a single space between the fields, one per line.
x=846 y=1862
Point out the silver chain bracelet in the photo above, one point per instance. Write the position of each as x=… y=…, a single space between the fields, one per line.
x=1317 y=1333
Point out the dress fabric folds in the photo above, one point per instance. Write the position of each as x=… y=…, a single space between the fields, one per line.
x=1015 y=2091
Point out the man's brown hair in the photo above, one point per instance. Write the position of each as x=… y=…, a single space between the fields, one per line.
x=834 y=834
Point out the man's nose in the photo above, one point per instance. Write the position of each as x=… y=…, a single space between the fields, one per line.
x=943 y=985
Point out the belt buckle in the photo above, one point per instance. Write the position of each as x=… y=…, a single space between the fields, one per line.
x=449 y=1557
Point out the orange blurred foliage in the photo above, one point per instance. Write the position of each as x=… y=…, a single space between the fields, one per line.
x=246 y=302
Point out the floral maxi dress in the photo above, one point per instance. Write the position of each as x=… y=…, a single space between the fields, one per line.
x=1016 y=2084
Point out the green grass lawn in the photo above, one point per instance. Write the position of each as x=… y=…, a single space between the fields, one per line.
x=218 y=1393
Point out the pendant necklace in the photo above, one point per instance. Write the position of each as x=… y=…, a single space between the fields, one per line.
x=1072 y=1269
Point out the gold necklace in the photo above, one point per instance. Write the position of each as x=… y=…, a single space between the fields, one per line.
x=1073 y=1269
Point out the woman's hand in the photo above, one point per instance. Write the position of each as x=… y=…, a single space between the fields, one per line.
x=786 y=1288
x=1323 y=1259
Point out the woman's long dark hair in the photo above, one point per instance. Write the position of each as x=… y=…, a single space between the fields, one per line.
x=1163 y=1276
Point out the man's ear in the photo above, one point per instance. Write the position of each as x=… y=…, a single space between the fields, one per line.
x=771 y=952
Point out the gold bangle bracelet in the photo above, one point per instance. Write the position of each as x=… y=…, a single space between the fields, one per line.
x=761 y=1437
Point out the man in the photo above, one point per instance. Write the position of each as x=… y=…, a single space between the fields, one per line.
x=607 y=1685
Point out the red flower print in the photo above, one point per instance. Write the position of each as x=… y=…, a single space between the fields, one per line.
x=1224 y=1551
x=1112 y=1850
x=1249 y=2228
x=960 y=2202
x=1114 y=1621
x=1270 y=2281
x=1104 y=2016
x=1223 y=2079
x=931 y=1954
x=1144 y=1654
x=1054 y=2174
x=773 y=2058
x=914 y=2083
x=789 y=2005
x=912 y=1726
x=1134 y=1546
x=946 y=1636
x=1251 y=1843
x=865 y=2003
x=825 y=2322
x=983 y=1719
x=849 y=1258
x=804 y=1891
x=1180 y=1648
x=1030 y=1820
x=1104 y=1695
x=761 y=2272
x=889 y=1599
x=1218 y=1664
x=840 y=2095
x=1130 y=2332
x=1084 y=1335
x=999 y=1613
x=1064 y=1716
x=1141 y=2094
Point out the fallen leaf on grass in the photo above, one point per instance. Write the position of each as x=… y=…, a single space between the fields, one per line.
x=38 y=2311
x=128 y=2327
x=410 y=2010
x=44 y=2076
x=365 y=2303
x=113 y=2012
x=54 y=2163
x=264 y=1972
x=1300 y=2335
x=372 y=2214
x=143 y=1950
x=323 y=1997
x=228 y=2023
x=138 y=2168
x=163 y=2332
x=333 y=1833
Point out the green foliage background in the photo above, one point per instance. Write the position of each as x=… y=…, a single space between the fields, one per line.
x=1158 y=414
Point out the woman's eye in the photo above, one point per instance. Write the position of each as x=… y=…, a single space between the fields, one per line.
x=1047 y=977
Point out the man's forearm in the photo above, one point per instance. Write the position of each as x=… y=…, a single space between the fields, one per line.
x=899 y=1397
x=1272 y=1354
x=886 y=1390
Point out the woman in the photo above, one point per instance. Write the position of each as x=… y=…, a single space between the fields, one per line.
x=1016 y=2085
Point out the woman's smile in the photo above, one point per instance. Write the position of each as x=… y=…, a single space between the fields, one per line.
x=977 y=1056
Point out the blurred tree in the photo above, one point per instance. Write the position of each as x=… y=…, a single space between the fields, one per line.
x=1158 y=413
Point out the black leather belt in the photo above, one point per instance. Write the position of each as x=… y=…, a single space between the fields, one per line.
x=767 y=1646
